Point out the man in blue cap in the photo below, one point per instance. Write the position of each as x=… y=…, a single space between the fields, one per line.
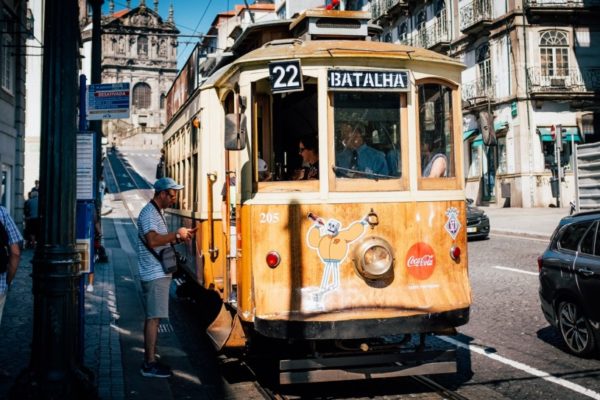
x=153 y=233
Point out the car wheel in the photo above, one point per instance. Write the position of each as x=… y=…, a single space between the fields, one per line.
x=575 y=329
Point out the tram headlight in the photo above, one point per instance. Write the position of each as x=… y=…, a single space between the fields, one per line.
x=374 y=258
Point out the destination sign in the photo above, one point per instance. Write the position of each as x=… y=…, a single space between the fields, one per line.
x=368 y=80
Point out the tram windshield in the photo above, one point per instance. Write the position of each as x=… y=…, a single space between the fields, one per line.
x=367 y=135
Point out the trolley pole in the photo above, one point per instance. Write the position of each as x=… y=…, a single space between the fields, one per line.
x=54 y=371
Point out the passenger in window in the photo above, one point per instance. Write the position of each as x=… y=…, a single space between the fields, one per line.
x=433 y=160
x=263 y=171
x=357 y=155
x=392 y=157
x=308 y=148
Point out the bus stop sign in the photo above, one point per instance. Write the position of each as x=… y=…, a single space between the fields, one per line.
x=108 y=101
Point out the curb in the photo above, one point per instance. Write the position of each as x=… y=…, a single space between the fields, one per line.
x=530 y=235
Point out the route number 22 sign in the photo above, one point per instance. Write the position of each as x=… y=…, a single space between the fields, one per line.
x=285 y=76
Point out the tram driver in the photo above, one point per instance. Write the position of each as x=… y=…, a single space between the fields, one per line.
x=357 y=155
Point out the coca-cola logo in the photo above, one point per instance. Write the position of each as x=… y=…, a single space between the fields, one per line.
x=420 y=260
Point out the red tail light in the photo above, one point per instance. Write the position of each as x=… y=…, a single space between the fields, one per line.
x=455 y=252
x=539 y=263
x=273 y=259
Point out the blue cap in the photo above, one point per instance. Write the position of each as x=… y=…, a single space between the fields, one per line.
x=166 y=184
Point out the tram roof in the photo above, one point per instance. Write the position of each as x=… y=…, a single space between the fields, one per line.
x=295 y=48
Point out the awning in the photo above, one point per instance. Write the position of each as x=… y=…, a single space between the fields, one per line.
x=569 y=133
x=468 y=134
x=500 y=125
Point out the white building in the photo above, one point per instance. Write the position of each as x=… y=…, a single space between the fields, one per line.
x=530 y=64
x=140 y=48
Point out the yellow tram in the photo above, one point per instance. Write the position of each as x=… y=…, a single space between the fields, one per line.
x=364 y=237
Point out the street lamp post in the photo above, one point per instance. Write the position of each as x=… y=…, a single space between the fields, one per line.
x=54 y=370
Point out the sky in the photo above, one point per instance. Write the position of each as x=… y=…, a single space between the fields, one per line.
x=191 y=17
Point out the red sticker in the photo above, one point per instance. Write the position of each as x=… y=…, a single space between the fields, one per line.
x=420 y=260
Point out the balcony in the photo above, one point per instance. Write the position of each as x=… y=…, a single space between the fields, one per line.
x=436 y=37
x=478 y=91
x=387 y=9
x=476 y=17
x=568 y=84
x=538 y=9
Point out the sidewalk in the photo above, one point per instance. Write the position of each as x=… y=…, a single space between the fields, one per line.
x=102 y=349
x=529 y=222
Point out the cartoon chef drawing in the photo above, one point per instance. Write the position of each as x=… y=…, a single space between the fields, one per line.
x=332 y=245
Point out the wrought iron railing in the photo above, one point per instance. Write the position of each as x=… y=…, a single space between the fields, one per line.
x=432 y=35
x=566 y=79
x=479 y=88
x=380 y=7
x=562 y=3
x=474 y=12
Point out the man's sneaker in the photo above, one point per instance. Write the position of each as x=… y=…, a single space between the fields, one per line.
x=155 y=370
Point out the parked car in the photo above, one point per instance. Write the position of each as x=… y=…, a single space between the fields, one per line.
x=478 y=224
x=569 y=272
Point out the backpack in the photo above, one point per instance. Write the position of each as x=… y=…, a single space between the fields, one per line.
x=4 y=249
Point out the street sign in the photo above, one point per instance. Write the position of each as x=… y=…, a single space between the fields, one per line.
x=85 y=165
x=108 y=101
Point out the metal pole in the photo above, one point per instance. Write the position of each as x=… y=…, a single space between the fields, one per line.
x=96 y=77
x=559 y=168
x=574 y=165
x=54 y=371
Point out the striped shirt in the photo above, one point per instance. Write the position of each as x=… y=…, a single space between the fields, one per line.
x=150 y=220
x=14 y=236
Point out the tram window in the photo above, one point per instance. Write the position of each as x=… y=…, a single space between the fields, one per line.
x=435 y=130
x=294 y=120
x=367 y=135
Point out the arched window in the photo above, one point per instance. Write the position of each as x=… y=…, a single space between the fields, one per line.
x=554 y=53
x=484 y=69
x=143 y=46
x=142 y=95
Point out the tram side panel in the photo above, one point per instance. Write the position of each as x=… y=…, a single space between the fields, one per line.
x=206 y=255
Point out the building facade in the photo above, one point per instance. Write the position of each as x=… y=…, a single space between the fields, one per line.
x=530 y=72
x=15 y=27
x=140 y=48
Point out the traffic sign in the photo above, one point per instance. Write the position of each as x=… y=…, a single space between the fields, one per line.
x=108 y=101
